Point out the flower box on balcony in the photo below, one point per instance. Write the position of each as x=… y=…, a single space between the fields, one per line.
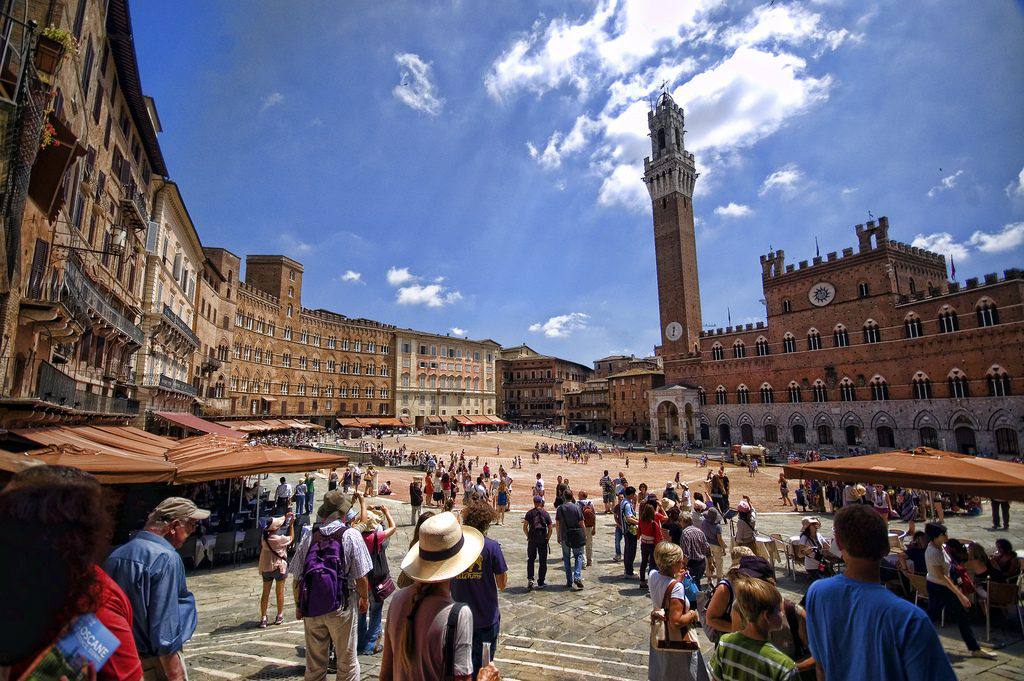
x=49 y=53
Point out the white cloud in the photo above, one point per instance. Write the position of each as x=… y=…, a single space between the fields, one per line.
x=846 y=191
x=785 y=180
x=623 y=186
x=353 y=277
x=273 y=99
x=733 y=210
x=559 y=144
x=431 y=295
x=1011 y=236
x=458 y=331
x=562 y=326
x=941 y=242
x=293 y=245
x=399 y=275
x=947 y=183
x=417 y=89
x=780 y=23
x=1015 y=190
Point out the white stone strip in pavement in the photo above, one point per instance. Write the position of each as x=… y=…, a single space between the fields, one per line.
x=575 y=645
x=574 y=673
x=259 y=658
x=216 y=672
x=581 y=658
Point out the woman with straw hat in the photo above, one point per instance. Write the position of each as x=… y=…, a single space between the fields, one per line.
x=429 y=636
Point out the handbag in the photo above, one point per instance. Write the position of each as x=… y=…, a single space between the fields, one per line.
x=661 y=638
x=380 y=580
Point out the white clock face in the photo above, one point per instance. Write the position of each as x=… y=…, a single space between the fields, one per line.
x=674 y=331
x=822 y=294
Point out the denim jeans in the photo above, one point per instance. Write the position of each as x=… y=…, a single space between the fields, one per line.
x=480 y=637
x=573 y=573
x=536 y=551
x=646 y=559
x=618 y=542
x=369 y=627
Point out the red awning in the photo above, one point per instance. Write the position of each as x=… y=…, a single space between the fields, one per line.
x=195 y=423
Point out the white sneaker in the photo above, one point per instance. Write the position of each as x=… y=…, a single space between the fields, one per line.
x=985 y=654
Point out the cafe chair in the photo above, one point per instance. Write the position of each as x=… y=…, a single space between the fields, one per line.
x=1003 y=597
x=225 y=545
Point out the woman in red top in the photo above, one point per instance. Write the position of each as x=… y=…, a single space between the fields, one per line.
x=650 y=532
x=54 y=527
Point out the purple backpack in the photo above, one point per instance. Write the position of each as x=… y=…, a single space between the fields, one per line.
x=324 y=587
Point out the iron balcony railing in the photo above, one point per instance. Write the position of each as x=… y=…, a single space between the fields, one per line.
x=179 y=324
x=133 y=203
x=81 y=292
x=167 y=383
x=56 y=387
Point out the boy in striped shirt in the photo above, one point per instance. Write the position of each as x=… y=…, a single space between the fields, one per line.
x=747 y=655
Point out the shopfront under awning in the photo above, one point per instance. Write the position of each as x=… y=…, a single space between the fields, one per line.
x=193 y=422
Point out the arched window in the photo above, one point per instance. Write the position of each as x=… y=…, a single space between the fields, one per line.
x=739 y=350
x=820 y=391
x=948 y=320
x=786 y=305
x=840 y=336
x=742 y=394
x=716 y=352
x=872 y=334
x=767 y=394
x=799 y=435
x=762 y=346
x=862 y=289
x=720 y=395
x=913 y=286
x=789 y=343
x=998 y=382
x=824 y=434
x=912 y=326
x=702 y=397
x=771 y=433
x=879 y=389
x=929 y=437
x=794 y=391
x=922 y=386
x=988 y=314
x=813 y=340
x=959 y=388
x=847 y=392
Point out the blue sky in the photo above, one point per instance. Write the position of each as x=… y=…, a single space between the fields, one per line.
x=476 y=165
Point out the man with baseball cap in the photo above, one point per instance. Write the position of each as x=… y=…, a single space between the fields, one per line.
x=537 y=527
x=150 y=572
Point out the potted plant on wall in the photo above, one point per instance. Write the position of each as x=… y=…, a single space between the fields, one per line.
x=52 y=45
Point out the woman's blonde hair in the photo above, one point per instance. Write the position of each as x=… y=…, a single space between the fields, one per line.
x=667 y=554
x=755 y=597
x=740 y=551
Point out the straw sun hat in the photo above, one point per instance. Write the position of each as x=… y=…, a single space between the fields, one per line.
x=444 y=551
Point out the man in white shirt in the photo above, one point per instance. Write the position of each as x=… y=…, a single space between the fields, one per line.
x=538 y=487
x=282 y=497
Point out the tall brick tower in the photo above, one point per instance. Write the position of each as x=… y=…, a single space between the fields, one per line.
x=670 y=176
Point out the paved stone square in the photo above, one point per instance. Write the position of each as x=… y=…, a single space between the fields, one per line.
x=599 y=633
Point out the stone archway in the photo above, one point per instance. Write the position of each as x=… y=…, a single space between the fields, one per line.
x=667 y=415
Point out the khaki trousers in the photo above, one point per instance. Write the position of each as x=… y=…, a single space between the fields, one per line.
x=152 y=670
x=717 y=555
x=340 y=627
x=588 y=533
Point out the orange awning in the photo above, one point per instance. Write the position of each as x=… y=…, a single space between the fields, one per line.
x=108 y=467
x=193 y=422
x=212 y=457
x=109 y=439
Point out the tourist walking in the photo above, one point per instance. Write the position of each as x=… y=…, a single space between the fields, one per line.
x=589 y=525
x=943 y=594
x=695 y=547
x=853 y=618
x=415 y=500
x=746 y=522
x=273 y=563
x=501 y=502
x=537 y=527
x=330 y=588
x=54 y=527
x=784 y=490
x=379 y=582
x=300 y=498
x=152 y=575
x=282 y=496
x=711 y=525
x=428 y=635
x=607 y=492
x=669 y=604
x=630 y=527
x=479 y=585
x=572 y=537
x=1003 y=508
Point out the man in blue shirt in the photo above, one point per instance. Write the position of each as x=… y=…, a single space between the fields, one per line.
x=856 y=628
x=629 y=530
x=149 y=570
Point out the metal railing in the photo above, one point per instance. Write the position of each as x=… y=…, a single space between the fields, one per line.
x=56 y=387
x=167 y=383
x=133 y=199
x=179 y=324
x=78 y=291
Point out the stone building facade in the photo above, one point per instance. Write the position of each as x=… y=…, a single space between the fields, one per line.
x=287 y=360
x=587 y=411
x=534 y=386
x=869 y=349
x=443 y=376
x=629 y=398
x=79 y=175
x=214 y=327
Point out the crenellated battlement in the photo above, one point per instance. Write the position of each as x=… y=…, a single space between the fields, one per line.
x=258 y=293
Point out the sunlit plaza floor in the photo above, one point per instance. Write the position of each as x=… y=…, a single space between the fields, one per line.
x=599 y=633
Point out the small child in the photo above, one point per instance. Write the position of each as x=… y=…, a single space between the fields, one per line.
x=747 y=653
x=801 y=499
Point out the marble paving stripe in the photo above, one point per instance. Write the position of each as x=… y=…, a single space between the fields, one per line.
x=575 y=645
x=574 y=673
x=215 y=672
x=259 y=658
x=566 y=655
